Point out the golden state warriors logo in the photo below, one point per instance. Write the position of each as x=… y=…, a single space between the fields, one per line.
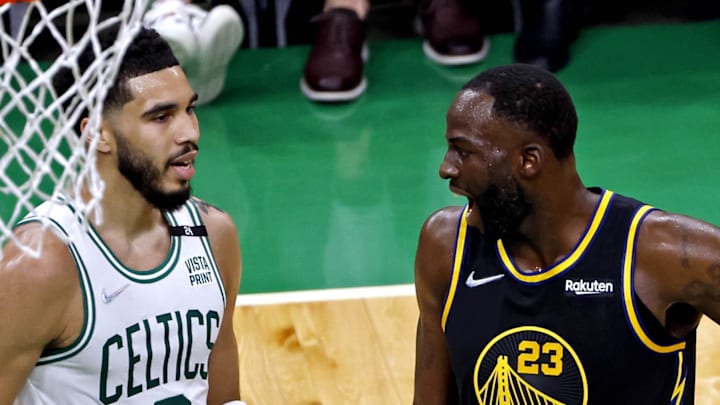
x=529 y=365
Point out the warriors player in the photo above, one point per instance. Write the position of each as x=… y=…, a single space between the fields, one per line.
x=541 y=290
x=137 y=309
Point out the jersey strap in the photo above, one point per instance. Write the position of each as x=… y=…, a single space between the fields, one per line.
x=457 y=264
x=187 y=230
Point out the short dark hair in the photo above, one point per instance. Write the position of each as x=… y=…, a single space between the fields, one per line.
x=147 y=53
x=534 y=97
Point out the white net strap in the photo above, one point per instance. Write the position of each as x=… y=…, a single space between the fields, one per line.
x=41 y=154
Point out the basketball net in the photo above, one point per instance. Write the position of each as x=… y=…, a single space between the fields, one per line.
x=41 y=154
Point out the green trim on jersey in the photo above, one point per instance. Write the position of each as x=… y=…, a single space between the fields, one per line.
x=145 y=276
x=54 y=355
x=197 y=218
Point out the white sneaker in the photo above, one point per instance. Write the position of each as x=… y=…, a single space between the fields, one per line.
x=218 y=35
x=204 y=42
x=170 y=20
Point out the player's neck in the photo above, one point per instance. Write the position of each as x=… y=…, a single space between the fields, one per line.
x=555 y=225
x=126 y=211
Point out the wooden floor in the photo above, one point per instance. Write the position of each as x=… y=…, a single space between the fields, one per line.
x=361 y=352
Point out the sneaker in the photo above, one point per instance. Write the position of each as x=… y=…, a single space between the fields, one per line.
x=219 y=35
x=334 y=69
x=453 y=35
x=168 y=18
x=215 y=37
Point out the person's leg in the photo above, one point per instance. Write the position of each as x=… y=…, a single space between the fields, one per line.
x=202 y=40
x=545 y=30
x=334 y=68
x=361 y=7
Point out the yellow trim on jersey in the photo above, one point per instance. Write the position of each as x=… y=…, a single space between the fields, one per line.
x=679 y=390
x=628 y=296
x=457 y=263
x=568 y=261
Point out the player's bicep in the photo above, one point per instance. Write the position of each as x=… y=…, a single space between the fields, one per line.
x=14 y=372
x=700 y=263
x=680 y=259
x=432 y=366
x=224 y=376
x=31 y=312
x=433 y=376
x=224 y=373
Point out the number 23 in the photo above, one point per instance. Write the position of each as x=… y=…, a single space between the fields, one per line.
x=530 y=351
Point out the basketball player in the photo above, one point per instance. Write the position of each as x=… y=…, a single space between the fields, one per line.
x=541 y=290
x=137 y=309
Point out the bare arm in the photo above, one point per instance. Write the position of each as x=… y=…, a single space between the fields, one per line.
x=224 y=375
x=433 y=265
x=39 y=298
x=678 y=262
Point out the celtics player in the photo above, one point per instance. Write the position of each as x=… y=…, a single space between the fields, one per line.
x=137 y=309
x=543 y=291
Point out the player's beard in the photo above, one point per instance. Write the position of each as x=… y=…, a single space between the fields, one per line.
x=503 y=207
x=138 y=168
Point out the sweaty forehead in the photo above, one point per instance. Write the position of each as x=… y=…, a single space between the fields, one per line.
x=168 y=82
x=471 y=106
x=470 y=113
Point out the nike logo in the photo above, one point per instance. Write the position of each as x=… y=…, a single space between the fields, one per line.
x=474 y=282
x=107 y=298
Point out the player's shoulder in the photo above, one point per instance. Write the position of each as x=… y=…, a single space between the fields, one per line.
x=670 y=222
x=439 y=229
x=216 y=220
x=443 y=220
x=661 y=227
x=52 y=269
x=434 y=254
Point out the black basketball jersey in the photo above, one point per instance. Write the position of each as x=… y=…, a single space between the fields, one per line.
x=574 y=333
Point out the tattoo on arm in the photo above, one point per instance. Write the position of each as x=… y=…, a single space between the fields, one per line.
x=685 y=259
x=710 y=289
x=205 y=206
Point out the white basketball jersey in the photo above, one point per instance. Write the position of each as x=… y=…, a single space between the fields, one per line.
x=147 y=335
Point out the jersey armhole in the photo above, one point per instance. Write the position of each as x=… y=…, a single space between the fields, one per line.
x=205 y=240
x=53 y=355
x=458 y=259
x=630 y=299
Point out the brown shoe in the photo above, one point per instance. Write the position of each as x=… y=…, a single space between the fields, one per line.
x=334 y=69
x=452 y=32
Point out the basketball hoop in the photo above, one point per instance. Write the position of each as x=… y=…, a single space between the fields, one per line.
x=41 y=154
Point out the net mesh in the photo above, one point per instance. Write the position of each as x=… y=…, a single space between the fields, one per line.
x=41 y=154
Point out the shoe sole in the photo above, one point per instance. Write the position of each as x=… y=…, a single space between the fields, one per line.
x=333 y=96
x=221 y=35
x=456 y=60
x=337 y=96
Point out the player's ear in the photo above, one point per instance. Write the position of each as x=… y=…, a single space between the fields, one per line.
x=531 y=159
x=103 y=135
